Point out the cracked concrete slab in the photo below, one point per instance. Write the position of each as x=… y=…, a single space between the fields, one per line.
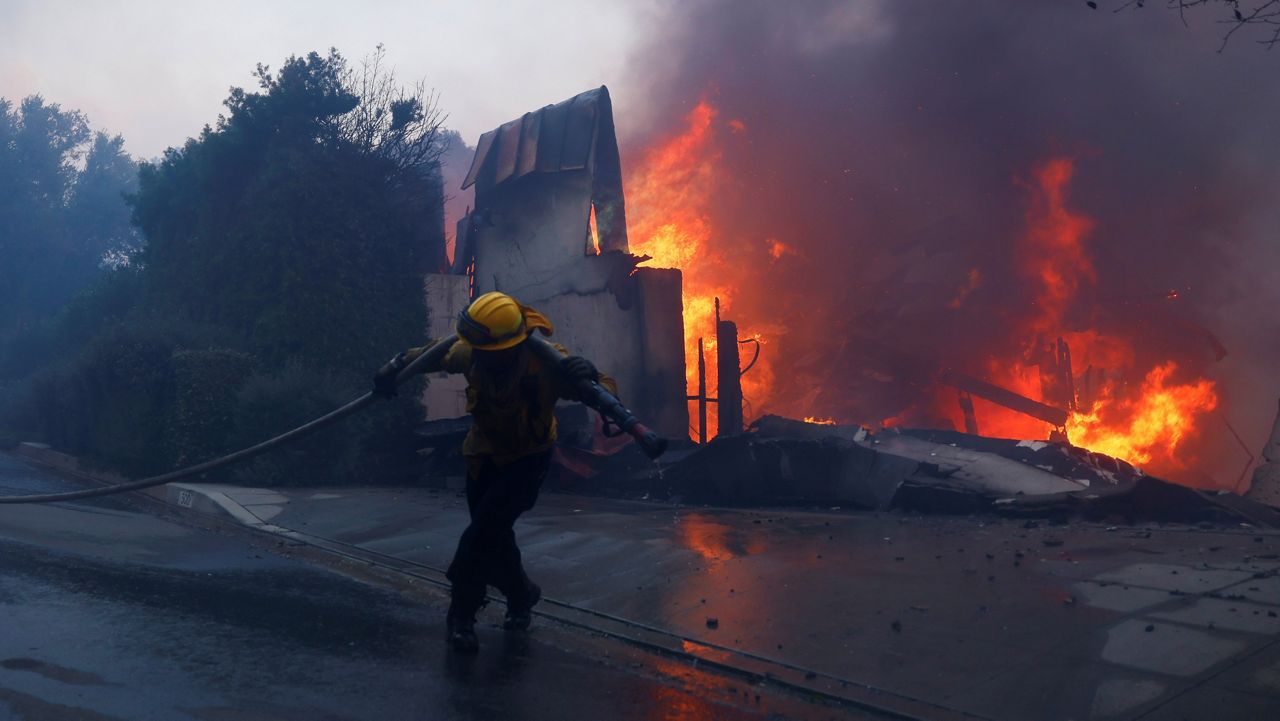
x=1118 y=597
x=1259 y=590
x=1220 y=613
x=1166 y=648
x=1171 y=577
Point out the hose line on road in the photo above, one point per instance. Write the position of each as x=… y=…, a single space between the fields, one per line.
x=433 y=354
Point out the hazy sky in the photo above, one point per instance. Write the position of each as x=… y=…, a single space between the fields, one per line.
x=157 y=71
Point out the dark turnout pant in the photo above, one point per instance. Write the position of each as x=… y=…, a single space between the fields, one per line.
x=487 y=554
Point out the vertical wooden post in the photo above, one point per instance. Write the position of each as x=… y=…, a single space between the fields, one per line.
x=729 y=377
x=702 y=394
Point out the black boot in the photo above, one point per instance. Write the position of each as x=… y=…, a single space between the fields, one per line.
x=461 y=635
x=460 y=624
x=520 y=613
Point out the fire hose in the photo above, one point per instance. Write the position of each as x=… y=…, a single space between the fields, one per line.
x=610 y=408
x=591 y=394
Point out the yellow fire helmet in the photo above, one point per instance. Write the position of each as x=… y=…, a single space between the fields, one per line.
x=495 y=321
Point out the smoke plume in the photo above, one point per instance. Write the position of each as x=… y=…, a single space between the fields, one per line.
x=880 y=173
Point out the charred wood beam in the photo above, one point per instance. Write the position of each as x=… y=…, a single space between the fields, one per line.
x=970 y=418
x=1007 y=398
x=729 y=419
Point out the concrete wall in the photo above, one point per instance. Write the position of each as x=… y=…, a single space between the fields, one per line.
x=530 y=229
x=447 y=295
x=531 y=241
x=661 y=302
x=1266 y=477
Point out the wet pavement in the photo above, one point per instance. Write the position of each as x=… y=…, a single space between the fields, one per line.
x=959 y=617
x=108 y=611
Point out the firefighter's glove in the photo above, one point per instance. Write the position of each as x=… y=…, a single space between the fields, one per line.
x=384 y=381
x=576 y=368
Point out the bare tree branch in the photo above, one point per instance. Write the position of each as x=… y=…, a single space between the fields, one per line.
x=404 y=126
x=1238 y=14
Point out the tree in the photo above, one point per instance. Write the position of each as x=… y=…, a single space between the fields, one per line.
x=99 y=216
x=305 y=219
x=62 y=207
x=403 y=127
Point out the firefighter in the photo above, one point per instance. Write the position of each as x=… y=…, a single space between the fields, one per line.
x=511 y=397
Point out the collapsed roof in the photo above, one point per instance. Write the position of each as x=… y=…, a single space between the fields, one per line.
x=574 y=134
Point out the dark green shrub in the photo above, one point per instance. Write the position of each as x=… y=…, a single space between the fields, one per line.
x=271 y=403
x=206 y=384
x=114 y=402
x=374 y=446
x=113 y=406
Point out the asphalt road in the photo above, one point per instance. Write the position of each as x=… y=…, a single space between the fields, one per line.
x=110 y=612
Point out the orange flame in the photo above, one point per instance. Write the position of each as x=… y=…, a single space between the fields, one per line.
x=1055 y=240
x=1142 y=425
x=1154 y=423
x=672 y=201
x=819 y=421
x=669 y=208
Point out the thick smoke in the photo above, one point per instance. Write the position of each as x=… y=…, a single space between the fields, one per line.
x=894 y=145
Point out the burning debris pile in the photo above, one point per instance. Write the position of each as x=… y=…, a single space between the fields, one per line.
x=1016 y=316
x=786 y=462
x=896 y=205
x=1102 y=402
x=1061 y=367
x=1109 y=398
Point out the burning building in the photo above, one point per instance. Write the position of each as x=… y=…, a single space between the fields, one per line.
x=1058 y=363
x=889 y=205
x=549 y=227
x=895 y=260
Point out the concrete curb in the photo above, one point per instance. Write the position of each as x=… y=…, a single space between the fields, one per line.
x=208 y=501
x=205 y=499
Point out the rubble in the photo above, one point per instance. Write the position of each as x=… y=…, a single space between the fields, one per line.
x=785 y=462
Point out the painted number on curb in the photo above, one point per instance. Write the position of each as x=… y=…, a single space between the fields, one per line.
x=186 y=498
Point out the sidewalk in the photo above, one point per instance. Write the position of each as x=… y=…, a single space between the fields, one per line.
x=927 y=617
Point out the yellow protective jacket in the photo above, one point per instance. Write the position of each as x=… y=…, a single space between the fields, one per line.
x=513 y=414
